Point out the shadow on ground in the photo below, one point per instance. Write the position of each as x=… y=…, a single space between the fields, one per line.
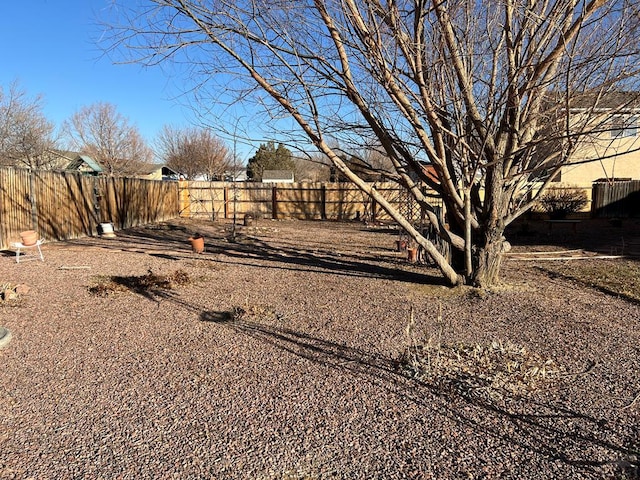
x=170 y=242
x=605 y=236
x=547 y=431
x=538 y=433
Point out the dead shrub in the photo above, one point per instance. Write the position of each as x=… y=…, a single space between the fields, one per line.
x=560 y=202
x=476 y=370
x=106 y=286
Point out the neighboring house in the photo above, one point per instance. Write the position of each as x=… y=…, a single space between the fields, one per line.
x=612 y=151
x=73 y=161
x=235 y=176
x=84 y=164
x=153 y=171
x=277 y=176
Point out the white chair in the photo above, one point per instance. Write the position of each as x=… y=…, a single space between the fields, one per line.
x=19 y=246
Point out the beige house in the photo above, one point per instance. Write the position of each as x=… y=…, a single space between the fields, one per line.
x=612 y=150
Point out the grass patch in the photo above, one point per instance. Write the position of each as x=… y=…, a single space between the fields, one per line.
x=109 y=285
x=619 y=277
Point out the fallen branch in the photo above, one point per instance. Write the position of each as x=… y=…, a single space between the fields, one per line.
x=585 y=257
x=543 y=253
x=630 y=404
x=74 y=267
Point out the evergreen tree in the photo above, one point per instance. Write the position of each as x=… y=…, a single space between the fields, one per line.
x=269 y=157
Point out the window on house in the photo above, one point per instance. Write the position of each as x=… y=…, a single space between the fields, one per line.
x=624 y=126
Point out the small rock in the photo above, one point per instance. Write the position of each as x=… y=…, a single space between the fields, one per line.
x=22 y=289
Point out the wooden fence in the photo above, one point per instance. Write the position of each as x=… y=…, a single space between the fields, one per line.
x=311 y=201
x=66 y=205
x=616 y=199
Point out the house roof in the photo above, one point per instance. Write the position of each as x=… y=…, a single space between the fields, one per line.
x=80 y=159
x=277 y=175
x=431 y=173
x=149 y=168
x=613 y=100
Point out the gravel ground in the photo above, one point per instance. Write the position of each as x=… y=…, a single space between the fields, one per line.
x=280 y=359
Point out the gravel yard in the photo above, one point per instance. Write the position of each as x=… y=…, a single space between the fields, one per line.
x=280 y=356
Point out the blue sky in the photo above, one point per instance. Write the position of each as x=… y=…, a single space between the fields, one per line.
x=49 y=47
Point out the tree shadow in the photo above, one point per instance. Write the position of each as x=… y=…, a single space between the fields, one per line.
x=593 y=234
x=540 y=433
x=168 y=243
x=353 y=265
x=600 y=288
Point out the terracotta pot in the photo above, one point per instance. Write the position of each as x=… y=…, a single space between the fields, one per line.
x=412 y=254
x=197 y=244
x=30 y=237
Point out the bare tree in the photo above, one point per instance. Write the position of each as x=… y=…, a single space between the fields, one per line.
x=27 y=138
x=194 y=152
x=484 y=92
x=106 y=136
x=312 y=168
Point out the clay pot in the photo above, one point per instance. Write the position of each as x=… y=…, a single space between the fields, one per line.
x=29 y=237
x=197 y=243
x=412 y=254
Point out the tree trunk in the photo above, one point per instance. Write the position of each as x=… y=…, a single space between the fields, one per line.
x=488 y=258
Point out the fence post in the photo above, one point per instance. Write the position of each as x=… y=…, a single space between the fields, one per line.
x=33 y=200
x=323 y=201
x=226 y=202
x=274 y=202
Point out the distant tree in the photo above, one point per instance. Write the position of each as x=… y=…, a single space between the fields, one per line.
x=26 y=136
x=270 y=157
x=106 y=136
x=194 y=152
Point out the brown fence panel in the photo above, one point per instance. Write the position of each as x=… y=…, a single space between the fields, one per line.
x=66 y=205
x=257 y=198
x=615 y=199
x=203 y=200
x=298 y=200
x=220 y=200
x=331 y=201
x=15 y=204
